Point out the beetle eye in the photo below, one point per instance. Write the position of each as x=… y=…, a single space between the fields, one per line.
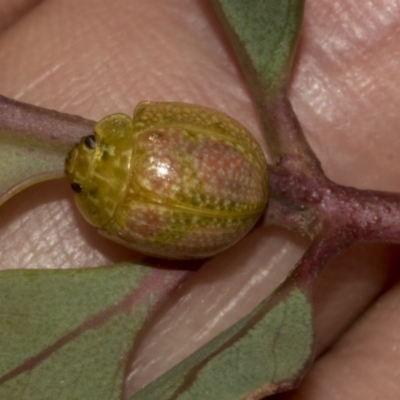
x=90 y=141
x=76 y=187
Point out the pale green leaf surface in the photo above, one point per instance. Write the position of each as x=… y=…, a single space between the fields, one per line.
x=22 y=165
x=33 y=144
x=67 y=334
x=263 y=353
x=90 y=367
x=264 y=34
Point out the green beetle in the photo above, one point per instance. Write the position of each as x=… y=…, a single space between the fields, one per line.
x=177 y=181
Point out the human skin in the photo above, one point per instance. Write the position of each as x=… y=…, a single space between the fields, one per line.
x=95 y=57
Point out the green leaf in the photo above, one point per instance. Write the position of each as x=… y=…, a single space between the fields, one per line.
x=264 y=353
x=67 y=334
x=264 y=34
x=23 y=165
x=33 y=144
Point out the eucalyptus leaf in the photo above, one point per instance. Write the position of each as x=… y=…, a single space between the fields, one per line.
x=33 y=144
x=68 y=333
x=264 y=34
x=264 y=353
x=25 y=165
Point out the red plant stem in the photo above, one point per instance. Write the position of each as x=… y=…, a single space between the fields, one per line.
x=334 y=216
x=283 y=133
x=362 y=215
x=53 y=128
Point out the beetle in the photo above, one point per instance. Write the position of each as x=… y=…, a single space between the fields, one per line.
x=176 y=181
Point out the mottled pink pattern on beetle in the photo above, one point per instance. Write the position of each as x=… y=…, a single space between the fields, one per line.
x=198 y=170
x=189 y=194
x=146 y=223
